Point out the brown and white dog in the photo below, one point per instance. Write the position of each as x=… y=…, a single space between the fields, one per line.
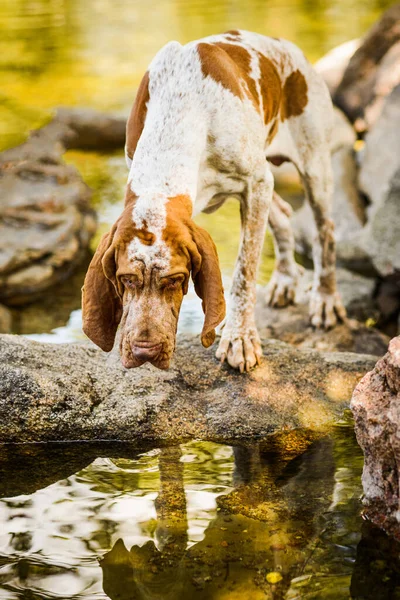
x=206 y=117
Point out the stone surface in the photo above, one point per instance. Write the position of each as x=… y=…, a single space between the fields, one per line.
x=46 y=222
x=76 y=392
x=381 y=236
x=362 y=82
x=376 y=408
x=292 y=324
x=381 y=154
x=387 y=78
x=333 y=64
x=5 y=319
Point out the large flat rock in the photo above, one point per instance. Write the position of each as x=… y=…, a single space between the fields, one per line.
x=76 y=392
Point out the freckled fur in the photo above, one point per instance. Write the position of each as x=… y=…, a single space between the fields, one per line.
x=206 y=117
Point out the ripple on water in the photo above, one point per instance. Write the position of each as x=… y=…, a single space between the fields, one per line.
x=186 y=521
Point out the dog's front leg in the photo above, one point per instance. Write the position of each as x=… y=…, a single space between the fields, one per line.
x=240 y=343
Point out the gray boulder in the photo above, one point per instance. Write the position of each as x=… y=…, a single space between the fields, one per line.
x=368 y=238
x=370 y=69
x=46 y=222
x=334 y=63
x=76 y=392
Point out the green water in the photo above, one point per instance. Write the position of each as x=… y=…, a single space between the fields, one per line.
x=94 y=52
x=199 y=520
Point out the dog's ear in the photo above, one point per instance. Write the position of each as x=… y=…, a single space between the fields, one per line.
x=101 y=304
x=207 y=280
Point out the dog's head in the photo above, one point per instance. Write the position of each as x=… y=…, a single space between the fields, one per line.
x=139 y=275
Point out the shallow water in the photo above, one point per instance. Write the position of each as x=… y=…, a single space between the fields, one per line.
x=276 y=519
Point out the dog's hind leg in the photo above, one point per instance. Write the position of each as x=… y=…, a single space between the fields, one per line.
x=282 y=287
x=326 y=307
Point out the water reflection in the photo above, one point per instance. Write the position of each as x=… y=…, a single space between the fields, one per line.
x=275 y=519
x=264 y=525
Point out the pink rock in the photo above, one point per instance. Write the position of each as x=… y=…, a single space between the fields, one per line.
x=376 y=408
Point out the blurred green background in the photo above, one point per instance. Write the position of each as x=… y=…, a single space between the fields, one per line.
x=94 y=52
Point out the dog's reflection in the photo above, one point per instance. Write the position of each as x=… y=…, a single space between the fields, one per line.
x=262 y=527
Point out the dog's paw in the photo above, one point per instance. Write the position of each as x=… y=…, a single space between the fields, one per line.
x=241 y=349
x=282 y=288
x=326 y=310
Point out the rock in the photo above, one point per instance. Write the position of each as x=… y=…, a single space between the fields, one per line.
x=92 y=130
x=376 y=408
x=76 y=392
x=380 y=156
x=387 y=78
x=46 y=222
x=333 y=65
x=381 y=236
x=388 y=303
x=291 y=324
x=5 y=319
x=370 y=70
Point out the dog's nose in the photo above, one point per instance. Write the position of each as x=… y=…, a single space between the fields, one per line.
x=145 y=350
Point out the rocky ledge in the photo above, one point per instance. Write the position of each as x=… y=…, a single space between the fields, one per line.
x=46 y=221
x=376 y=408
x=76 y=392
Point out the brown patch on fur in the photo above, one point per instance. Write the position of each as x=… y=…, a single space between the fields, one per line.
x=271 y=88
x=273 y=131
x=146 y=237
x=215 y=64
x=101 y=304
x=295 y=95
x=233 y=32
x=130 y=197
x=232 y=35
x=186 y=239
x=137 y=117
x=242 y=59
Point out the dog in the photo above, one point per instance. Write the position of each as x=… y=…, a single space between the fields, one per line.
x=208 y=120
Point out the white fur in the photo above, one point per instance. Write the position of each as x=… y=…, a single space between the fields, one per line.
x=150 y=212
x=203 y=141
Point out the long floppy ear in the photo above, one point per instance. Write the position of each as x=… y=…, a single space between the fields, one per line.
x=208 y=284
x=101 y=305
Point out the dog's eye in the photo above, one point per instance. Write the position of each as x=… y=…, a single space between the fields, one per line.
x=171 y=283
x=130 y=282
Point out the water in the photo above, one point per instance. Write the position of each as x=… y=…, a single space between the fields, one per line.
x=199 y=520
